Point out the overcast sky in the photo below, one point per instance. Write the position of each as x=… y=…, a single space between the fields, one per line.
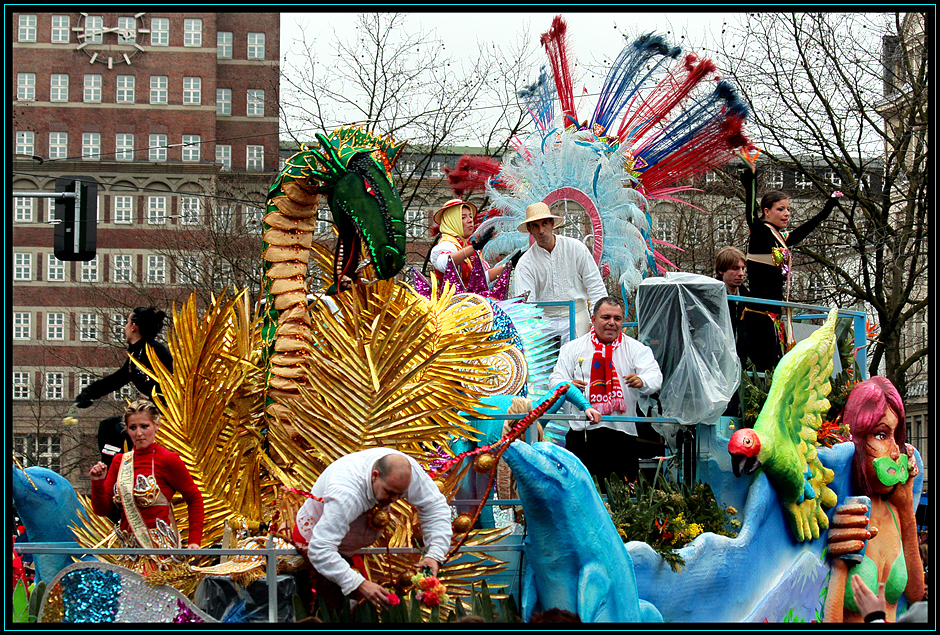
x=595 y=37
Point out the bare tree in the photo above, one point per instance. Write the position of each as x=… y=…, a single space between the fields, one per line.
x=829 y=106
x=394 y=80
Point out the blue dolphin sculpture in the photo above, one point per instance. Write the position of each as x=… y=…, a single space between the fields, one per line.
x=575 y=559
x=48 y=506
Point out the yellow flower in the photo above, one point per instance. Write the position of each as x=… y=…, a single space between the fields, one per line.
x=732 y=510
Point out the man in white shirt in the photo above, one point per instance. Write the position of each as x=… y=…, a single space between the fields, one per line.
x=352 y=489
x=613 y=370
x=557 y=268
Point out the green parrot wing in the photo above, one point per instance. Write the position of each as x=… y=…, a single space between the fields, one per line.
x=790 y=420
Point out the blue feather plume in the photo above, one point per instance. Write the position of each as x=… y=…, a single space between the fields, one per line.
x=621 y=83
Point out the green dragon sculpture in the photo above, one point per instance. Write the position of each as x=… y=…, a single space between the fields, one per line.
x=353 y=168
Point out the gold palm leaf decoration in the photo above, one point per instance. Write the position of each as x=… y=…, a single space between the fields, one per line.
x=388 y=368
x=211 y=413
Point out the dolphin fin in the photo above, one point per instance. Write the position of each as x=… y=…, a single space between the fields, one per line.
x=594 y=589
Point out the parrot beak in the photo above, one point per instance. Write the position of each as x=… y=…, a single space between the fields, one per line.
x=741 y=464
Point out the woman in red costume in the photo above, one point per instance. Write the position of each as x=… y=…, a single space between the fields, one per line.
x=455 y=219
x=885 y=550
x=142 y=482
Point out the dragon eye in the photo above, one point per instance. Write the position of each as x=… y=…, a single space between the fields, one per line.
x=368 y=187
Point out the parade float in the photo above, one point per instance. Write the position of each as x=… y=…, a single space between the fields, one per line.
x=264 y=395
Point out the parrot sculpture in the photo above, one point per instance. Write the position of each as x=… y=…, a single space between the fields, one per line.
x=783 y=439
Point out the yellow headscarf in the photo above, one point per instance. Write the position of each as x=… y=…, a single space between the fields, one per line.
x=452 y=225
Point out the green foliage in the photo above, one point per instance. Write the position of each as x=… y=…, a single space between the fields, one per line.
x=26 y=601
x=20 y=602
x=754 y=391
x=667 y=515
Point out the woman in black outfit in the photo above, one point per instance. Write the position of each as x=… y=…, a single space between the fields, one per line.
x=767 y=328
x=143 y=326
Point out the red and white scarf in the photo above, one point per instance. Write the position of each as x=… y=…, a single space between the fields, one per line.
x=605 y=392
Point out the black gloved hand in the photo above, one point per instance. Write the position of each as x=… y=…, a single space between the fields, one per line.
x=480 y=241
x=514 y=260
x=83 y=400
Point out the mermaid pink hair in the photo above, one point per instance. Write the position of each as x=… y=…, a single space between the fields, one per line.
x=867 y=404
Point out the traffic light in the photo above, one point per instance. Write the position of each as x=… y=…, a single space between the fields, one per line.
x=76 y=232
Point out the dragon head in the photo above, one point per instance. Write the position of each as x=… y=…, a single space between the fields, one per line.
x=354 y=170
x=744 y=447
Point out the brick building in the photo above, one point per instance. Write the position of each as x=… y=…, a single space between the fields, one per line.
x=175 y=115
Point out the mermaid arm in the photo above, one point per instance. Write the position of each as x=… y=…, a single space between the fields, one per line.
x=835 y=597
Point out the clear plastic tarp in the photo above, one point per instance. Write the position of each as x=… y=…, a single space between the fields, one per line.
x=685 y=319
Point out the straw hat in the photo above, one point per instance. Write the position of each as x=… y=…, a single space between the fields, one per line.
x=452 y=203
x=536 y=211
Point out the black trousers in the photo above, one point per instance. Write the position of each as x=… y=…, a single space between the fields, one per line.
x=604 y=451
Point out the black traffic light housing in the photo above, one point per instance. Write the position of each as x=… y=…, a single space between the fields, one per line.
x=76 y=232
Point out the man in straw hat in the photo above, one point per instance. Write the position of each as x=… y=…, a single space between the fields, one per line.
x=557 y=269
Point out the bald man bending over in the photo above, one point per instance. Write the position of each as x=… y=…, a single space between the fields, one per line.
x=353 y=488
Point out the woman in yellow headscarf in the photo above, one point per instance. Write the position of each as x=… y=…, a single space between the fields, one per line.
x=455 y=219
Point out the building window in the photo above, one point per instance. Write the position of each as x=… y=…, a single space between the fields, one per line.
x=255 y=159
x=60 y=29
x=125 y=89
x=127 y=30
x=88 y=327
x=25 y=142
x=22 y=326
x=187 y=270
x=92 y=92
x=833 y=178
x=192 y=91
x=256 y=46
x=255 y=104
x=94 y=25
x=190 y=209
x=192 y=32
x=803 y=181
x=42 y=450
x=21 y=385
x=254 y=218
x=116 y=326
x=223 y=156
x=775 y=179
x=324 y=222
x=22 y=266
x=55 y=326
x=124 y=147
x=26 y=86
x=123 y=209
x=159 y=89
x=91 y=146
x=58 y=145
x=58 y=87
x=27 y=28
x=126 y=394
x=54 y=385
x=121 y=268
x=55 y=269
x=156 y=269
x=416 y=223
x=23 y=209
x=223 y=44
x=223 y=101
x=84 y=380
x=158 y=145
x=191 y=147
x=89 y=270
x=159 y=32
x=156 y=210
